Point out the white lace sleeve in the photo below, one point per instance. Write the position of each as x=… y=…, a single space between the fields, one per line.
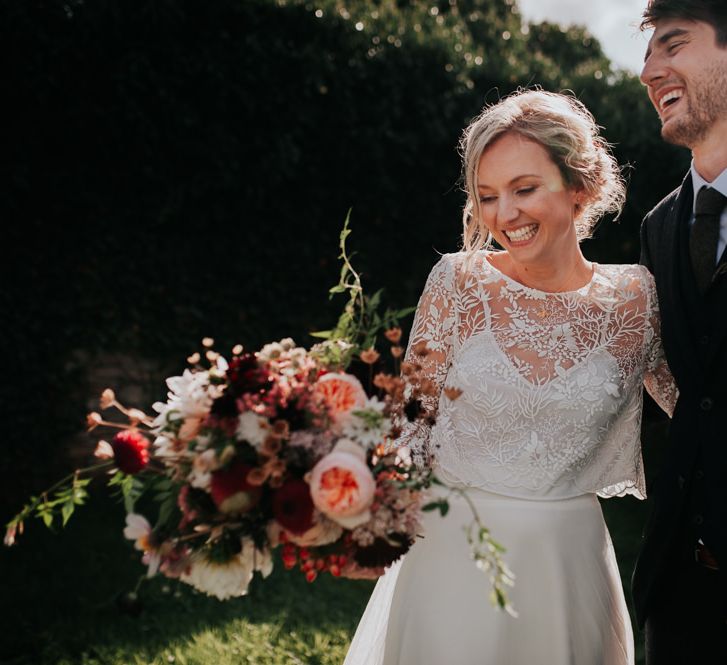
x=658 y=379
x=434 y=324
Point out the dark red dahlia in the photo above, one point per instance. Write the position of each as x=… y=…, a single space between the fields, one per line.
x=383 y=552
x=131 y=451
x=246 y=376
x=293 y=506
x=231 y=491
x=225 y=406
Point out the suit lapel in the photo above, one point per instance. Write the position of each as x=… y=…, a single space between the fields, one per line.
x=681 y=293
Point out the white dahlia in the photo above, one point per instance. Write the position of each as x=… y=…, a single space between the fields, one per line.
x=190 y=396
x=232 y=578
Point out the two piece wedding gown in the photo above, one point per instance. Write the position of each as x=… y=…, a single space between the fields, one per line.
x=548 y=419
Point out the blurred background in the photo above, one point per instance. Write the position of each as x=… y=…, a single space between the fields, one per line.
x=175 y=169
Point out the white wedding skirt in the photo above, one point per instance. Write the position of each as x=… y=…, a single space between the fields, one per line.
x=433 y=608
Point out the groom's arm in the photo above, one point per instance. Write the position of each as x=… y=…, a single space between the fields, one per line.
x=645 y=258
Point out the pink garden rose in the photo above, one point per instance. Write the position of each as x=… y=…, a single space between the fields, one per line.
x=343 y=393
x=342 y=485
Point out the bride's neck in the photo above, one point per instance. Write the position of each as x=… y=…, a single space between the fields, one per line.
x=564 y=275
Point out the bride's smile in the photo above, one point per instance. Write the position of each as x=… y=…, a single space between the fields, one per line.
x=530 y=212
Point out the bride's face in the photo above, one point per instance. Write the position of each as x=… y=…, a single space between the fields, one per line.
x=524 y=202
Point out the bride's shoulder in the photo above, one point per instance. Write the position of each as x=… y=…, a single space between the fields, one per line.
x=464 y=263
x=628 y=278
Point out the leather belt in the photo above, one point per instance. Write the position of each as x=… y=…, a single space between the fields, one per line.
x=705 y=558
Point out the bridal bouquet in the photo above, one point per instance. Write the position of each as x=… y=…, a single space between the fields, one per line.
x=282 y=450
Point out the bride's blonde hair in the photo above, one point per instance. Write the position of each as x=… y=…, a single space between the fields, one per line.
x=568 y=131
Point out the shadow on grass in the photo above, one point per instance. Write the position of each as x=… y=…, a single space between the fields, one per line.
x=60 y=599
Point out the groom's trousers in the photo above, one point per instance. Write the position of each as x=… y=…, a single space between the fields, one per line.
x=687 y=619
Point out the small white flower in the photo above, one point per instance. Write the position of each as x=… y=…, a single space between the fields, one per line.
x=368 y=425
x=252 y=428
x=138 y=529
x=103 y=450
x=202 y=467
x=165 y=447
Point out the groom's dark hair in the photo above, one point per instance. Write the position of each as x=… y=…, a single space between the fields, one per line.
x=713 y=12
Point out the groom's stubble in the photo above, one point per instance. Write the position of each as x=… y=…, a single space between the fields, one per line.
x=706 y=104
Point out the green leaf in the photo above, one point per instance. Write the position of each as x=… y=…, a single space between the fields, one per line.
x=163 y=484
x=405 y=312
x=322 y=334
x=80 y=496
x=67 y=511
x=166 y=510
x=47 y=518
x=442 y=506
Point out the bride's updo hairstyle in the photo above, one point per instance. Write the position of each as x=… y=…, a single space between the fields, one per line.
x=568 y=131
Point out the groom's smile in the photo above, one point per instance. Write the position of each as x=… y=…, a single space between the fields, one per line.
x=668 y=98
x=685 y=72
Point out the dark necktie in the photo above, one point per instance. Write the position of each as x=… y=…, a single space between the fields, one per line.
x=705 y=235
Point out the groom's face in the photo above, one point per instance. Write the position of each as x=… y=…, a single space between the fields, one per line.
x=685 y=71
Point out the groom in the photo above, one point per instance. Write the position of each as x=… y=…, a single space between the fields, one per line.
x=680 y=581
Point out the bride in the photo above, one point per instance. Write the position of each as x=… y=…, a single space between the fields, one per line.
x=550 y=352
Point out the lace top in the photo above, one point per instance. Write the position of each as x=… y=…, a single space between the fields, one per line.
x=551 y=399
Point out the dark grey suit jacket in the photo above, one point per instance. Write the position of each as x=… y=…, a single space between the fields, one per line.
x=690 y=494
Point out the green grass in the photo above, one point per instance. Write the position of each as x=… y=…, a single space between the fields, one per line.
x=59 y=602
x=59 y=606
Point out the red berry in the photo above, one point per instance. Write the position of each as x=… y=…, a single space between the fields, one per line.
x=335 y=571
x=289 y=562
x=311 y=575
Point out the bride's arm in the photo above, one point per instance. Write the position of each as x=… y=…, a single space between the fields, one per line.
x=428 y=356
x=658 y=379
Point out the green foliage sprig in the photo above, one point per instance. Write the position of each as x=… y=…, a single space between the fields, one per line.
x=486 y=552
x=58 y=501
x=360 y=321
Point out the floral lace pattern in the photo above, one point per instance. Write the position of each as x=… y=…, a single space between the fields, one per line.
x=551 y=382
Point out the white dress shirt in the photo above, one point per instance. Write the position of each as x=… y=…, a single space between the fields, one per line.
x=720 y=184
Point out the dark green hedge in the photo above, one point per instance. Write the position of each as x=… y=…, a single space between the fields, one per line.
x=182 y=168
